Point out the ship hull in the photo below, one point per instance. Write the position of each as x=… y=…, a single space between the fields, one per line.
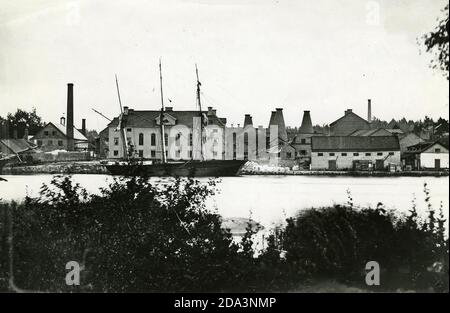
x=212 y=168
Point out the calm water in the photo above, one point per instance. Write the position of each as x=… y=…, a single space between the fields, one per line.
x=272 y=198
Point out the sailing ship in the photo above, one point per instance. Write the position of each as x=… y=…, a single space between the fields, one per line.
x=191 y=168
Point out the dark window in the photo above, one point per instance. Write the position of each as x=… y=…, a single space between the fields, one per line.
x=267 y=142
x=153 y=139
x=344 y=154
x=60 y=143
x=288 y=155
x=437 y=150
x=116 y=152
x=368 y=154
x=190 y=154
x=190 y=139
x=166 y=139
x=234 y=155
x=331 y=153
x=153 y=153
x=39 y=143
x=391 y=153
x=356 y=154
x=141 y=153
x=303 y=141
x=50 y=142
x=303 y=152
x=379 y=153
x=141 y=139
x=279 y=154
x=245 y=146
x=320 y=154
x=46 y=133
x=116 y=141
x=128 y=129
x=54 y=133
x=177 y=139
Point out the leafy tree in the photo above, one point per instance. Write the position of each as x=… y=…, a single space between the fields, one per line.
x=22 y=119
x=436 y=42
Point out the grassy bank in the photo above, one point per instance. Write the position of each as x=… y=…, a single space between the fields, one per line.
x=140 y=237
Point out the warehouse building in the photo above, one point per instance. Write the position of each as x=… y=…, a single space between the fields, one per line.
x=355 y=152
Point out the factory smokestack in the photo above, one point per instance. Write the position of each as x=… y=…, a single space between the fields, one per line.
x=83 y=126
x=69 y=123
x=369 y=110
x=248 y=121
x=306 y=127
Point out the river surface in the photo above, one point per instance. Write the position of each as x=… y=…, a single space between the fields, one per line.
x=271 y=199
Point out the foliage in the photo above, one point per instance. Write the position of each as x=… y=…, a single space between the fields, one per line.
x=22 y=119
x=138 y=237
x=436 y=42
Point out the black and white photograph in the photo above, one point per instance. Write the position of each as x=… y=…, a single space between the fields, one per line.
x=246 y=147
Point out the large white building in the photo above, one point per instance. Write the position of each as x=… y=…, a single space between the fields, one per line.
x=182 y=135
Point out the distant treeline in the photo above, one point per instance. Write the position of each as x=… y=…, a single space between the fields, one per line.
x=427 y=126
x=136 y=236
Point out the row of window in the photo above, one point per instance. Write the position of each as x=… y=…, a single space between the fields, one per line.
x=47 y=133
x=153 y=139
x=153 y=153
x=354 y=154
x=50 y=143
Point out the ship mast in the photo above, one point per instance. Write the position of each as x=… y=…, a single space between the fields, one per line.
x=161 y=119
x=201 y=113
x=121 y=123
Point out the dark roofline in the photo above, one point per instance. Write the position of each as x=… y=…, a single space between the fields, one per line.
x=349 y=114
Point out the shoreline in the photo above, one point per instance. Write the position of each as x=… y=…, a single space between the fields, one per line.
x=94 y=167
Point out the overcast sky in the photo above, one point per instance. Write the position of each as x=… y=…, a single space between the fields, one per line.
x=253 y=56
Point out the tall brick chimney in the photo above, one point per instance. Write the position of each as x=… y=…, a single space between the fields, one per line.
x=69 y=124
x=369 y=110
x=306 y=127
x=83 y=126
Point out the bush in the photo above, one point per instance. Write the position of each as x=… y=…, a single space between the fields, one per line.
x=337 y=242
x=138 y=237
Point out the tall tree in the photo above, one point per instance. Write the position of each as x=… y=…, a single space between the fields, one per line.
x=436 y=42
x=22 y=119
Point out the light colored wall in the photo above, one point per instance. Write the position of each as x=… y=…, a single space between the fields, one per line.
x=346 y=162
x=427 y=159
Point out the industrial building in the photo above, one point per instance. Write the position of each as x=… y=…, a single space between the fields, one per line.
x=427 y=155
x=354 y=152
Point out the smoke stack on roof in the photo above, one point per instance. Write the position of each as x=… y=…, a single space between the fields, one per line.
x=369 y=110
x=306 y=127
x=83 y=126
x=62 y=121
x=69 y=125
x=125 y=110
x=248 y=121
x=169 y=109
x=348 y=111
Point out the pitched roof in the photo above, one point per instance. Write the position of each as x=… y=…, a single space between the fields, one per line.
x=146 y=119
x=346 y=115
x=77 y=135
x=369 y=132
x=17 y=145
x=354 y=143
